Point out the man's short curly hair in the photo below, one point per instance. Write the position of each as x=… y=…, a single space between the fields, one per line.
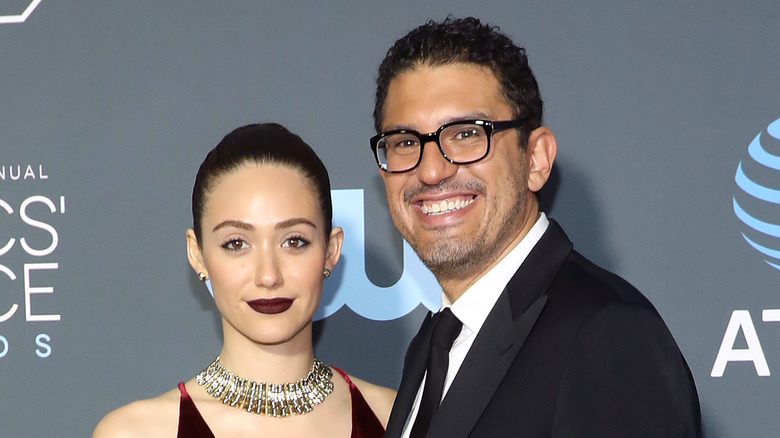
x=465 y=40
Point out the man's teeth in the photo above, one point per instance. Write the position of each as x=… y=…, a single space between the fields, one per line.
x=445 y=206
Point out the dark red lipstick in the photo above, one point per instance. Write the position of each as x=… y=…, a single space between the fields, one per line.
x=270 y=306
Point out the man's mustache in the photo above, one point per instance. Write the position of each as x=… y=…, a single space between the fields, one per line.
x=443 y=187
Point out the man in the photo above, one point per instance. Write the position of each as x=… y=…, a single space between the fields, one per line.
x=550 y=344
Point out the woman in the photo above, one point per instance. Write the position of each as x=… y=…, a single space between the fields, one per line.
x=262 y=238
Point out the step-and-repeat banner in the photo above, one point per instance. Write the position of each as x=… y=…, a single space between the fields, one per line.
x=667 y=116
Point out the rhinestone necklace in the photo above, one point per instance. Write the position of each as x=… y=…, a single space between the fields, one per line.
x=272 y=399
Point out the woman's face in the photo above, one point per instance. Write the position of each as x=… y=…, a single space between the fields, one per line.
x=264 y=248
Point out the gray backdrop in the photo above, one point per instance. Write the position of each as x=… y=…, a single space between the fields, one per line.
x=107 y=108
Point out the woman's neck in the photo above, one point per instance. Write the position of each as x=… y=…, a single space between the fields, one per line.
x=276 y=363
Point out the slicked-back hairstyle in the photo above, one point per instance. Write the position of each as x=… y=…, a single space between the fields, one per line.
x=263 y=144
x=464 y=40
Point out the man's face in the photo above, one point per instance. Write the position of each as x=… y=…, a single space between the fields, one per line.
x=460 y=219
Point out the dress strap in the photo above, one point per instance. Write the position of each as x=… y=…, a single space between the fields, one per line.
x=191 y=423
x=365 y=423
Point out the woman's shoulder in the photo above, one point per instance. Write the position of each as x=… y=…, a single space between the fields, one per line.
x=152 y=417
x=379 y=398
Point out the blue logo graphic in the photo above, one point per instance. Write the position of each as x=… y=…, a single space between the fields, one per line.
x=349 y=285
x=757 y=205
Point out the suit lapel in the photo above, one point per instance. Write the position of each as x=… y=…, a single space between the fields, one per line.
x=415 y=362
x=501 y=337
x=484 y=368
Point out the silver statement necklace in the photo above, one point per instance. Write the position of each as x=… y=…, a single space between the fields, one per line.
x=272 y=399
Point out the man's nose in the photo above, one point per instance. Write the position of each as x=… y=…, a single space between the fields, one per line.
x=433 y=167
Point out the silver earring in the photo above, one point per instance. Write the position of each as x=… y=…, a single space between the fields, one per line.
x=326 y=273
x=202 y=276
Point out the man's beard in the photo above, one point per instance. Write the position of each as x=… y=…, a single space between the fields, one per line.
x=461 y=257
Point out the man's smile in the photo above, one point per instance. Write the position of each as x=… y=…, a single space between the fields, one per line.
x=447 y=205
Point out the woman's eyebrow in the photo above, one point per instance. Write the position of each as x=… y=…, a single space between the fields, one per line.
x=234 y=223
x=294 y=221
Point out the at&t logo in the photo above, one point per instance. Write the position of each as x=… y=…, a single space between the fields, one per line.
x=757 y=204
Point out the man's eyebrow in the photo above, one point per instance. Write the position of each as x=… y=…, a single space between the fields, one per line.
x=294 y=221
x=233 y=223
x=468 y=116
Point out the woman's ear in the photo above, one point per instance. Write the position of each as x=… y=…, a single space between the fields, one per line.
x=333 y=253
x=194 y=254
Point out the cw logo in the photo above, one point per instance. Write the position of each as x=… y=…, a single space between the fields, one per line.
x=349 y=286
x=21 y=18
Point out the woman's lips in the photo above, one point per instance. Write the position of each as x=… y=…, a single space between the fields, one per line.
x=270 y=306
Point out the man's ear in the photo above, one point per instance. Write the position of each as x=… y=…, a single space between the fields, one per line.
x=194 y=255
x=333 y=253
x=540 y=151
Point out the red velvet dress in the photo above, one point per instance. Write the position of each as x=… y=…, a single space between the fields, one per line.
x=365 y=424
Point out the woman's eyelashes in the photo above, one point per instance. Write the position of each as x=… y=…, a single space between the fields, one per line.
x=234 y=244
x=295 y=242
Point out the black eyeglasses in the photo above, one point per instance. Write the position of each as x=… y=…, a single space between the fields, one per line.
x=461 y=142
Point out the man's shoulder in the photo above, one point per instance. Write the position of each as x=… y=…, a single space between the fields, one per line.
x=581 y=281
x=582 y=292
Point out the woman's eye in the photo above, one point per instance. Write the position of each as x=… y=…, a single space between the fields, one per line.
x=295 y=242
x=234 y=245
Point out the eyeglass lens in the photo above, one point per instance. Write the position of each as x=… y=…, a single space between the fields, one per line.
x=460 y=143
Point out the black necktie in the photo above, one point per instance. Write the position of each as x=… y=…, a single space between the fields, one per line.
x=446 y=328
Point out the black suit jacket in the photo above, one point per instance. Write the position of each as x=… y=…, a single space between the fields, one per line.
x=569 y=350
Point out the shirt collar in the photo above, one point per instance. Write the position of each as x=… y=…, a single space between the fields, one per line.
x=473 y=307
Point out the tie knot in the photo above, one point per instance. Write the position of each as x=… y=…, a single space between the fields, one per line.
x=446 y=328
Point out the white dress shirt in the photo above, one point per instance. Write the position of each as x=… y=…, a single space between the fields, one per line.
x=473 y=307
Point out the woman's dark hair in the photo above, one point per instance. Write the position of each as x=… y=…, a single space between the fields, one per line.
x=464 y=40
x=266 y=143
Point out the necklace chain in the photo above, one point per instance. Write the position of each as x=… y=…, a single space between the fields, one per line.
x=272 y=399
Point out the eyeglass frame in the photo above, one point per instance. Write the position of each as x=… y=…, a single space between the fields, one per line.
x=490 y=127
